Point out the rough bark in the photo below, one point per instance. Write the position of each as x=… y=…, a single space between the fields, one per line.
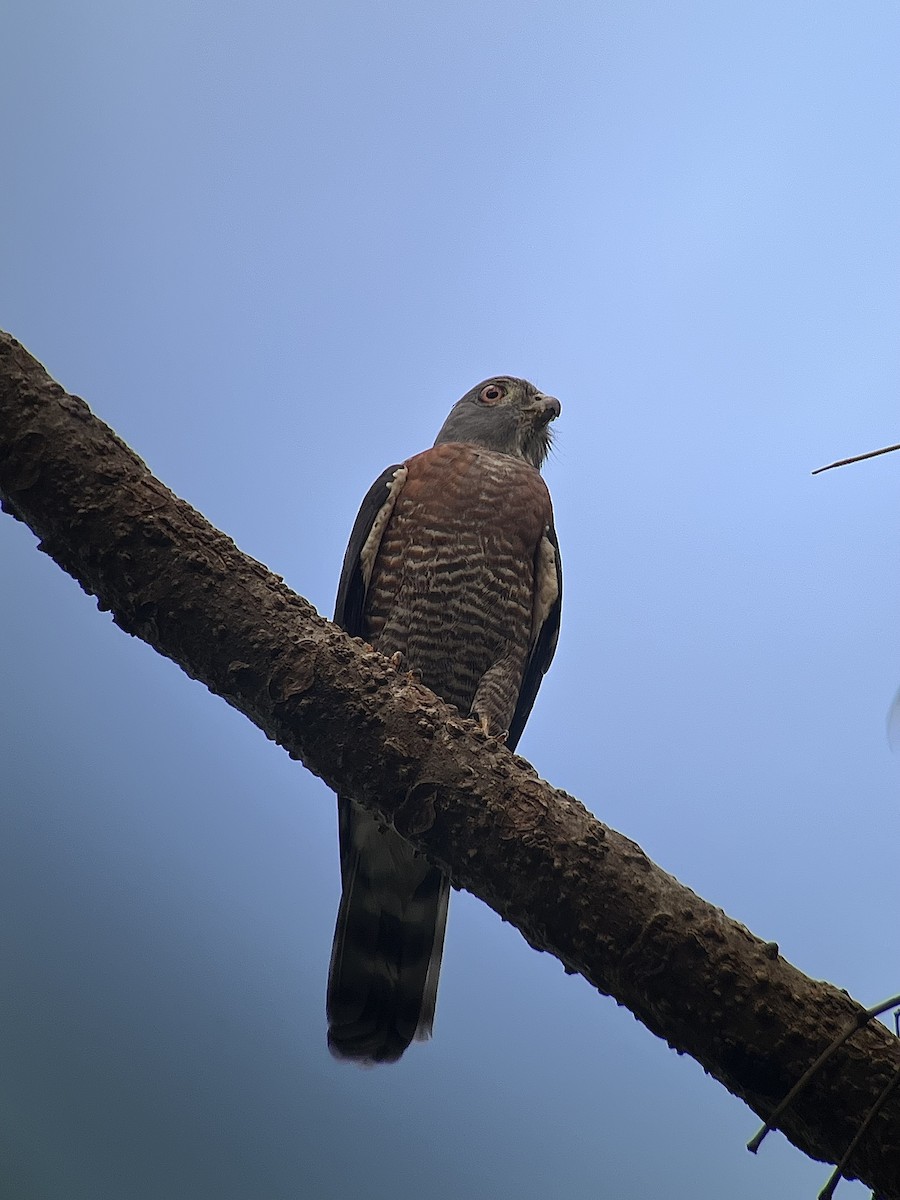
x=571 y=885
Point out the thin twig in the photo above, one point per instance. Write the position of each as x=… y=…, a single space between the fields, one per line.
x=862 y=1018
x=835 y=1178
x=842 y=462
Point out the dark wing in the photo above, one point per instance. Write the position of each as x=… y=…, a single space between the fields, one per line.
x=382 y=983
x=349 y=607
x=541 y=652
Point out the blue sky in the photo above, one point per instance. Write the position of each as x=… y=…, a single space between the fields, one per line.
x=271 y=246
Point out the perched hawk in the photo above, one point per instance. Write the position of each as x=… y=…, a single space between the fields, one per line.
x=453 y=564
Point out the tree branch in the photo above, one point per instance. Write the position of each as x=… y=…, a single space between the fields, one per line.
x=572 y=886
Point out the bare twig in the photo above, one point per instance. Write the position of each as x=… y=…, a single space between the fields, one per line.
x=843 y=462
x=837 y=1175
x=862 y=1018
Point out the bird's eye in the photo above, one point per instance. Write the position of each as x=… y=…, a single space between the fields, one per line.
x=492 y=393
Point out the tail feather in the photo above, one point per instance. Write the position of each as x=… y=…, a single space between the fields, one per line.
x=385 y=962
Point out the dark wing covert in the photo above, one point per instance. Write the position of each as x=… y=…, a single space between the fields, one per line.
x=349 y=607
x=541 y=654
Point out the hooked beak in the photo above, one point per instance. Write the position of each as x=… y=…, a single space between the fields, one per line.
x=547 y=409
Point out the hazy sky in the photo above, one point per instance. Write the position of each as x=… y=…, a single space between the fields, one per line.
x=271 y=245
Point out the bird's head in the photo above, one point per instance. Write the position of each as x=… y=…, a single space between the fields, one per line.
x=504 y=414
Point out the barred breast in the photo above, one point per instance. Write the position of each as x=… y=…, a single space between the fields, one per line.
x=453 y=581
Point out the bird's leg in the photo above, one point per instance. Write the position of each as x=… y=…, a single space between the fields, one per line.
x=398 y=662
x=489 y=731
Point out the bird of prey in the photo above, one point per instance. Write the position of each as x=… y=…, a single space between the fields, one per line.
x=453 y=569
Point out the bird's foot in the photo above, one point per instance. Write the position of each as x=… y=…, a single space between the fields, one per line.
x=488 y=732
